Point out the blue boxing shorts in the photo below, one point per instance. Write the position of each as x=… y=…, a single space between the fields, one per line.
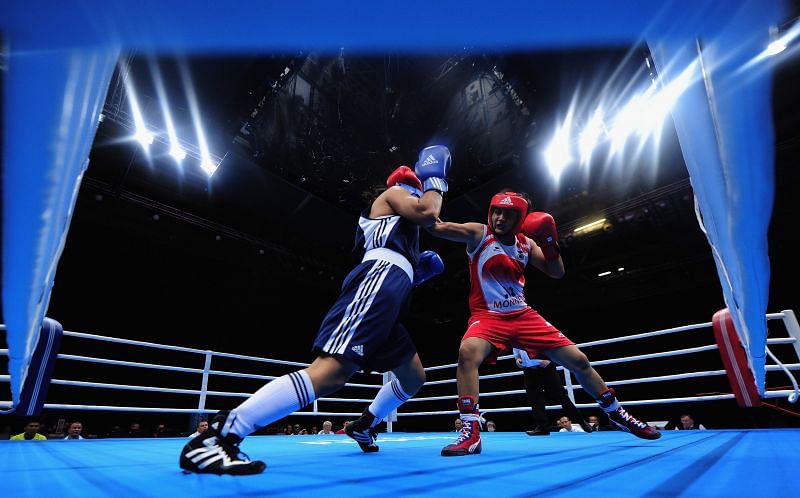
x=363 y=325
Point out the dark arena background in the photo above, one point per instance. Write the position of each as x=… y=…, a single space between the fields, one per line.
x=218 y=212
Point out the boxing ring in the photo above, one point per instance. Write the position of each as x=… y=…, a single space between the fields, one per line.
x=691 y=463
x=682 y=463
x=59 y=64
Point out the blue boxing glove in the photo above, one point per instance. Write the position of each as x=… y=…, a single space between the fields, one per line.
x=432 y=167
x=430 y=264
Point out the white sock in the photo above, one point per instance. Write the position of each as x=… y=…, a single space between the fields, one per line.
x=272 y=402
x=388 y=398
x=611 y=407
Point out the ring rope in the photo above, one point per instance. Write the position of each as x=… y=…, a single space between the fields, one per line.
x=787 y=368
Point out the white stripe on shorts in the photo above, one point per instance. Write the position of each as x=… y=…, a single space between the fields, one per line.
x=365 y=295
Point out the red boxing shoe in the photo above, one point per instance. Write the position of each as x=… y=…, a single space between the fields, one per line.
x=469 y=440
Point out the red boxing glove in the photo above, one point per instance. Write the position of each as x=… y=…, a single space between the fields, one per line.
x=541 y=227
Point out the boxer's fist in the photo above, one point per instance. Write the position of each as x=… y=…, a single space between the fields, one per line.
x=432 y=167
x=430 y=264
x=541 y=227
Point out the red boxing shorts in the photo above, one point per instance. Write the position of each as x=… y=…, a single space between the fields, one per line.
x=525 y=330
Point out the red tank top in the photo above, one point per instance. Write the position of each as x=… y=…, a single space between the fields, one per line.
x=497 y=275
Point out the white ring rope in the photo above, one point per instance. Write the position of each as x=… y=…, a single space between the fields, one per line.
x=128 y=363
x=242 y=375
x=649 y=356
x=794 y=396
x=582 y=345
x=787 y=316
x=131 y=342
x=127 y=387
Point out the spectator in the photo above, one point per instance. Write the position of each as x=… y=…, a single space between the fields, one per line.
x=457 y=425
x=135 y=430
x=491 y=426
x=288 y=430
x=594 y=424
x=327 y=427
x=30 y=433
x=688 y=424
x=74 y=430
x=341 y=431
x=566 y=425
x=314 y=430
x=202 y=426
x=299 y=431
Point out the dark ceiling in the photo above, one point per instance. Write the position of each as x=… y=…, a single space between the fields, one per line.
x=305 y=137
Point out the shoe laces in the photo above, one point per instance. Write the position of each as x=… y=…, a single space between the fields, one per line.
x=469 y=417
x=627 y=417
x=466 y=425
x=466 y=433
x=231 y=451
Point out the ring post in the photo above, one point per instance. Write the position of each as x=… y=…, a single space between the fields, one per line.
x=204 y=387
x=790 y=322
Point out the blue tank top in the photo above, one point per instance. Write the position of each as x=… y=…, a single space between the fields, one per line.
x=392 y=232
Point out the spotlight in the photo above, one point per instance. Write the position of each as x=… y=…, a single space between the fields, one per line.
x=176 y=152
x=782 y=42
x=175 y=149
x=208 y=166
x=557 y=155
x=590 y=135
x=144 y=137
x=590 y=227
x=775 y=47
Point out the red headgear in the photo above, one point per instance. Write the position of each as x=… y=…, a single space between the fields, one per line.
x=510 y=200
x=404 y=175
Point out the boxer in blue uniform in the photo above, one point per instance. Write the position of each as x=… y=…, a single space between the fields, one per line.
x=362 y=330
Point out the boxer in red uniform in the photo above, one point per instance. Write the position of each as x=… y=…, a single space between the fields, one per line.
x=501 y=319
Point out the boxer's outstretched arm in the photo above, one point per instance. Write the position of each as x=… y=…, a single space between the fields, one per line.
x=466 y=233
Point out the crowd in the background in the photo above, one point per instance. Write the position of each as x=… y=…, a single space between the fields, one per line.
x=33 y=429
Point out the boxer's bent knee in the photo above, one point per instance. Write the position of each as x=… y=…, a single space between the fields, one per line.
x=472 y=352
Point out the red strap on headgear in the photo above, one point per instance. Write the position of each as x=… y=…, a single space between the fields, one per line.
x=404 y=175
x=510 y=200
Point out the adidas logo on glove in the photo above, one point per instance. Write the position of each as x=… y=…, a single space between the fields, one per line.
x=429 y=160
